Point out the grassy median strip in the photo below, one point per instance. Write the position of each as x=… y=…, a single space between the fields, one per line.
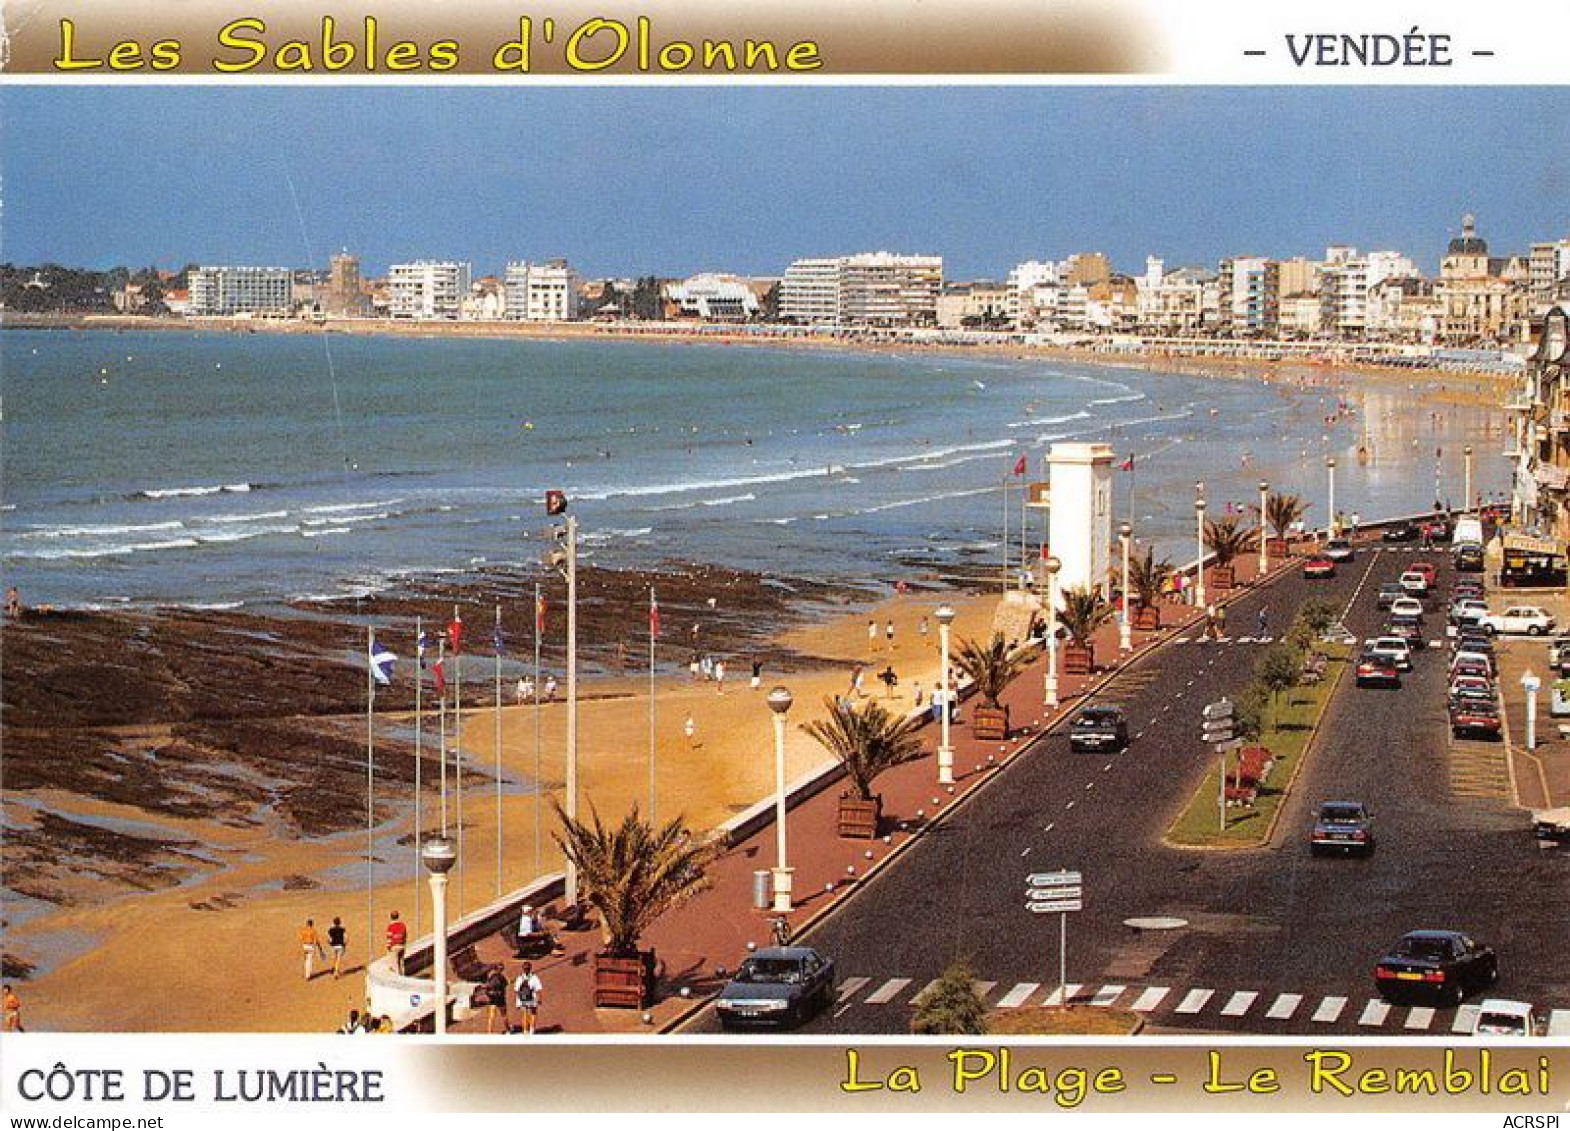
x=1286 y=732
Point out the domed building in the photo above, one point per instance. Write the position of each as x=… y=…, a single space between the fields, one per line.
x=1483 y=298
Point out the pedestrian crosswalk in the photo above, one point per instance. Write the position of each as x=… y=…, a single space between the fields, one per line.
x=1203 y=639
x=1197 y=1005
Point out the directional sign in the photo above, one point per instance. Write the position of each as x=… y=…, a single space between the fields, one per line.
x=1056 y=893
x=1224 y=747
x=1048 y=879
x=1056 y=905
x=1214 y=733
x=1218 y=710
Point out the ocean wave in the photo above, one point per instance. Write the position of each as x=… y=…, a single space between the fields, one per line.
x=916 y=502
x=729 y=499
x=340 y=519
x=258 y=517
x=116 y=551
x=100 y=531
x=242 y=535
x=189 y=492
x=321 y=531
x=1080 y=415
x=336 y=508
x=1129 y=399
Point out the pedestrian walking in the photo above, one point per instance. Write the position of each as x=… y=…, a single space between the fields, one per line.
x=1262 y=626
x=11 y=1007
x=352 y=1025
x=916 y=690
x=757 y=674
x=525 y=690
x=311 y=948
x=1356 y=521
x=922 y=628
x=13 y=603
x=1221 y=622
x=529 y=991
x=397 y=940
x=695 y=667
x=719 y=675
x=889 y=681
x=708 y=668
x=889 y=635
x=872 y=636
x=1210 y=622
x=690 y=728
x=338 y=943
x=858 y=684
x=496 y=999
x=550 y=689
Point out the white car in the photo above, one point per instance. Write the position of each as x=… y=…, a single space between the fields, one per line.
x=1338 y=550
x=1406 y=607
x=1518 y=618
x=1414 y=582
x=1498 y=1017
x=1393 y=646
x=1468 y=610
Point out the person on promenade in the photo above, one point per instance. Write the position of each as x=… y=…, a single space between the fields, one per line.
x=496 y=1000
x=310 y=947
x=690 y=729
x=917 y=692
x=528 y=990
x=872 y=636
x=889 y=681
x=338 y=943
x=696 y=667
x=757 y=674
x=13 y=603
x=397 y=940
x=889 y=634
x=1262 y=626
x=353 y=1024
x=11 y=1006
x=922 y=628
x=1210 y=622
x=858 y=684
x=550 y=689
x=525 y=690
x=1221 y=622
x=719 y=675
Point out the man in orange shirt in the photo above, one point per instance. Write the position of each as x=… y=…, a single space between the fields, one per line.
x=12 y=1007
x=397 y=940
x=311 y=947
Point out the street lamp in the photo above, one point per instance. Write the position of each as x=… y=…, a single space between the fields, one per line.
x=1330 y=519
x=1532 y=684
x=945 y=618
x=780 y=700
x=1126 y=623
x=1466 y=500
x=438 y=855
x=1264 y=541
x=1050 y=698
x=565 y=559
x=1199 y=567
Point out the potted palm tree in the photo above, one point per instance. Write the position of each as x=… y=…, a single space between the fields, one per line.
x=1281 y=512
x=1147 y=577
x=631 y=873
x=991 y=667
x=1082 y=613
x=867 y=740
x=1226 y=540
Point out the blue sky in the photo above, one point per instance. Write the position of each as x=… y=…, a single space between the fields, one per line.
x=670 y=181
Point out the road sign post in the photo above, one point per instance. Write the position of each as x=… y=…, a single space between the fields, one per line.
x=1218 y=728
x=1059 y=892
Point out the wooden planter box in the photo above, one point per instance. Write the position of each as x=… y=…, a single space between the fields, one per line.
x=624 y=983
x=1079 y=659
x=859 y=818
x=989 y=723
x=1222 y=577
x=1147 y=617
x=1279 y=547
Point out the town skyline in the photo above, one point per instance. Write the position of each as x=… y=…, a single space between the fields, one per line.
x=617 y=180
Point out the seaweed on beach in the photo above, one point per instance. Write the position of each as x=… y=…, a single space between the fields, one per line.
x=64 y=861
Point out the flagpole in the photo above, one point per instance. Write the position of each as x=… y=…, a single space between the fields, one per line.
x=1005 y=534
x=654 y=612
x=457 y=749
x=441 y=699
x=370 y=783
x=539 y=793
x=419 y=719
x=1024 y=525
x=498 y=749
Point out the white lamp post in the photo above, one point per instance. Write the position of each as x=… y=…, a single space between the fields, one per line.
x=1050 y=698
x=565 y=559
x=779 y=702
x=1532 y=683
x=1466 y=501
x=945 y=618
x=1264 y=540
x=1199 y=539
x=438 y=856
x=1330 y=519
x=1126 y=622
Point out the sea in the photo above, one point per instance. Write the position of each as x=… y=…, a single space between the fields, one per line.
x=219 y=469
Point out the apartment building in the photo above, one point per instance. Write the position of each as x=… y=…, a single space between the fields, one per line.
x=1548 y=271
x=1250 y=296
x=810 y=292
x=542 y=292
x=871 y=289
x=427 y=289
x=241 y=290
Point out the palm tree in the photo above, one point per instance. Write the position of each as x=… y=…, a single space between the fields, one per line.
x=1147 y=576
x=991 y=667
x=1281 y=511
x=1226 y=539
x=634 y=872
x=1082 y=613
x=951 y=1006
x=867 y=740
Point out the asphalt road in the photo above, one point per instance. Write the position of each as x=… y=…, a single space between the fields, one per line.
x=1275 y=941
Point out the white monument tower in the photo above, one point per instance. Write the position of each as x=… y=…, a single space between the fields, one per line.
x=1081 y=477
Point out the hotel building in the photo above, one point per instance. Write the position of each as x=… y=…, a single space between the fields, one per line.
x=427 y=289
x=241 y=290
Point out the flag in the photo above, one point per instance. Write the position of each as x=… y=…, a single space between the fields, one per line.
x=555 y=502
x=539 y=613
x=1128 y=464
x=381 y=664
x=1019 y=467
x=455 y=632
x=654 y=615
x=496 y=639
x=439 y=676
x=419 y=648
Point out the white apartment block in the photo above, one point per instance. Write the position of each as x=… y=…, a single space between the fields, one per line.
x=542 y=292
x=1032 y=289
x=241 y=290
x=810 y=292
x=1345 y=282
x=714 y=298
x=1250 y=296
x=1548 y=270
x=871 y=289
x=427 y=289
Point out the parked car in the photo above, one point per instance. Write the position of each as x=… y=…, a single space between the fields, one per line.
x=1472 y=669
x=1466 y=587
x=1409 y=629
x=1342 y=826
x=1444 y=964
x=1468 y=558
x=1407 y=607
x=1415 y=583
x=1396 y=648
x=1318 y=568
x=1338 y=550
x=1098 y=728
x=1559 y=657
x=1399 y=532
x=1552 y=824
x=1375 y=669
x=1436 y=529
x=1466 y=657
x=1468 y=532
x=1475 y=718
x=1467 y=610
x=1518 y=618
x=1389 y=592
x=1428 y=569
x=1472 y=638
x=780 y=985
x=1499 y=1017
x=1471 y=683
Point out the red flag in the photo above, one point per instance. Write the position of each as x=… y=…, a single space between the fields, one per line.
x=440 y=676
x=1019 y=468
x=455 y=633
x=1128 y=464
x=555 y=502
x=539 y=614
x=654 y=615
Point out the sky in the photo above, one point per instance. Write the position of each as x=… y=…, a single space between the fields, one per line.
x=672 y=181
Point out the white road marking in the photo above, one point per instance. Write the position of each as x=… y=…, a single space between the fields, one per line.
x=1284 y=1007
x=851 y=985
x=1017 y=996
x=1466 y=1018
x=1147 y=1001
x=1194 y=1001
x=1329 y=1009
x=1026 y=852
x=885 y=993
x=1107 y=767
x=1106 y=995
x=1070 y=805
x=1559 y=1023
x=1090 y=785
x=1056 y=996
x=1239 y=1003
x=1421 y=1017
x=983 y=988
x=1374 y=1013
x=1050 y=826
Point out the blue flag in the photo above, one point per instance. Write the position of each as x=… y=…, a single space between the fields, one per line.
x=382 y=664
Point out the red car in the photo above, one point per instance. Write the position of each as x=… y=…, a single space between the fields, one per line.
x=1429 y=571
x=1319 y=567
x=1474 y=718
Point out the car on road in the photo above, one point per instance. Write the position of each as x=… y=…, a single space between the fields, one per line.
x=1475 y=718
x=1399 y=532
x=1436 y=529
x=1407 y=607
x=1342 y=826
x=1389 y=593
x=1443 y=964
x=1375 y=669
x=1415 y=583
x=1318 y=568
x=1098 y=728
x=1468 y=558
x=1467 y=610
x=1428 y=569
x=1467 y=658
x=1472 y=668
x=1476 y=685
x=1500 y=1017
x=780 y=986
x=1552 y=824
x=1396 y=648
x=1559 y=657
x=1338 y=550
x=1517 y=619
x=1409 y=629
